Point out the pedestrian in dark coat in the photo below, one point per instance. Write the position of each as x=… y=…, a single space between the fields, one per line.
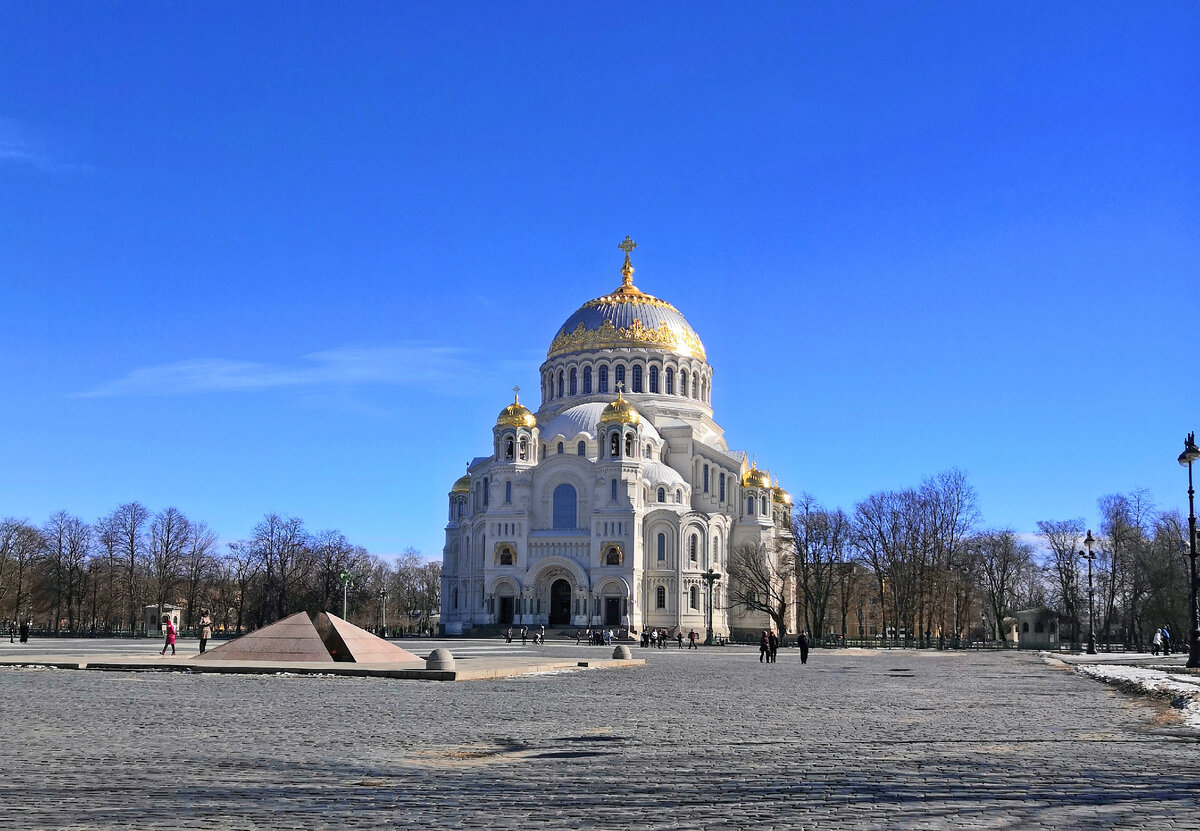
x=804 y=644
x=764 y=647
x=773 y=646
x=24 y=631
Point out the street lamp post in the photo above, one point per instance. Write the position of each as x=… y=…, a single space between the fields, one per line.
x=347 y=580
x=1090 y=555
x=383 y=596
x=1190 y=454
x=710 y=577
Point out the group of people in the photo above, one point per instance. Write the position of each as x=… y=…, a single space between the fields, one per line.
x=658 y=638
x=595 y=637
x=538 y=636
x=1161 y=641
x=768 y=646
x=21 y=628
x=170 y=632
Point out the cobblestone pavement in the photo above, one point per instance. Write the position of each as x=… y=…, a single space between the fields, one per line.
x=695 y=739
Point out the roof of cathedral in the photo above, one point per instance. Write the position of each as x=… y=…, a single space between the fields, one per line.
x=658 y=473
x=585 y=418
x=625 y=317
x=462 y=484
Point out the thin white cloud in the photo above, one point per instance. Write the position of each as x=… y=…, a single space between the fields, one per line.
x=411 y=365
x=19 y=147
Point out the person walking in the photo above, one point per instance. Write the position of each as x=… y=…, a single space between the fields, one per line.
x=692 y=636
x=542 y=636
x=508 y=635
x=23 y=631
x=170 y=641
x=205 y=629
x=1166 y=640
x=764 y=646
x=803 y=643
x=524 y=636
x=12 y=631
x=773 y=643
x=1156 y=643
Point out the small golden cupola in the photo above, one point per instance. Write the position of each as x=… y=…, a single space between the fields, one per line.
x=516 y=414
x=755 y=478
x=462 y=485
x=619 y=411
x=779 y=495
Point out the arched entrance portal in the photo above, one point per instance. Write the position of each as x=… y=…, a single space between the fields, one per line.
x=560 y=603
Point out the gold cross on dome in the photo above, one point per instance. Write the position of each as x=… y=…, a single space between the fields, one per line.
x=620 y=387
x=627 y=245
x=516 y=390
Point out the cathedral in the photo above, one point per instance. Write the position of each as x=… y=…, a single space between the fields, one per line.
x=618 y=502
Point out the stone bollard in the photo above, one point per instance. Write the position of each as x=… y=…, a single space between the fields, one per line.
x=622 y=653
x=440 y=659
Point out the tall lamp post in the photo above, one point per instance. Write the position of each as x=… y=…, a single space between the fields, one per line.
x=1090 y=555
x=1190 y=454
x=710 y=577
x=347 y=580
x=383 y=596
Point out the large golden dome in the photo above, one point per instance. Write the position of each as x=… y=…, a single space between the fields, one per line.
x=626 y=317
x=462 y=485
x=516 y=414
x=620 y=411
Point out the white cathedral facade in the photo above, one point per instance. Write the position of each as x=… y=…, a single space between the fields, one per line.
x=607 y=506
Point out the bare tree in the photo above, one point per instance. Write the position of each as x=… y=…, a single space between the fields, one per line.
x=758 y=581
x=282 y=546
x=20 y=545
x=169 y=533
x=198 y=567
x=1064 y=538
x=128 y=524
x=821 y=539
x=1004 y=563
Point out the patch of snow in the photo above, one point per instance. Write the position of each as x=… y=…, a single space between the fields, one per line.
x=1182 y=690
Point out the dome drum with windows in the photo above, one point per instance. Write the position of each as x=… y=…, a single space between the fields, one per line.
x=606 y=506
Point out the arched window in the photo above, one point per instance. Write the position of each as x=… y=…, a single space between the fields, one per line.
x=587 y=380
x=683 y=378
x=694 y=597
x=560 y=448
x=560 y=384
x=662 y=494
x=506 y=557
x=716 y=558
x=696 y=386
x=629 y=445
x=706 y=478
x=603 y=379
x=614 y=490
x=564 y=507
x=523 y=447
x=582 y=448
x=455 y=597
x=574 y=382
x=764 y=506
x=660 y=598
x=750 y=506
x=637 y=377
x=615 y=444
x=508 y=448
x=620 y=379
x=508 y=491
x=721 y=481
x=653 y=379
x=461 y=508
x=613 y=558
x=648 y=449
x=485 y=491
x=693 y=553
x=662 y=547
x=678 y=496
x=670 y=381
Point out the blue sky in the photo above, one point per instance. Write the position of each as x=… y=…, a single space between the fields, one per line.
x=292 y=257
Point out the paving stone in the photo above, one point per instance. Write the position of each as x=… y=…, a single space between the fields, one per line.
x=695 y=739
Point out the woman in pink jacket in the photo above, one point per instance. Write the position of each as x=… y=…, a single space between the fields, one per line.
x=170 y=636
